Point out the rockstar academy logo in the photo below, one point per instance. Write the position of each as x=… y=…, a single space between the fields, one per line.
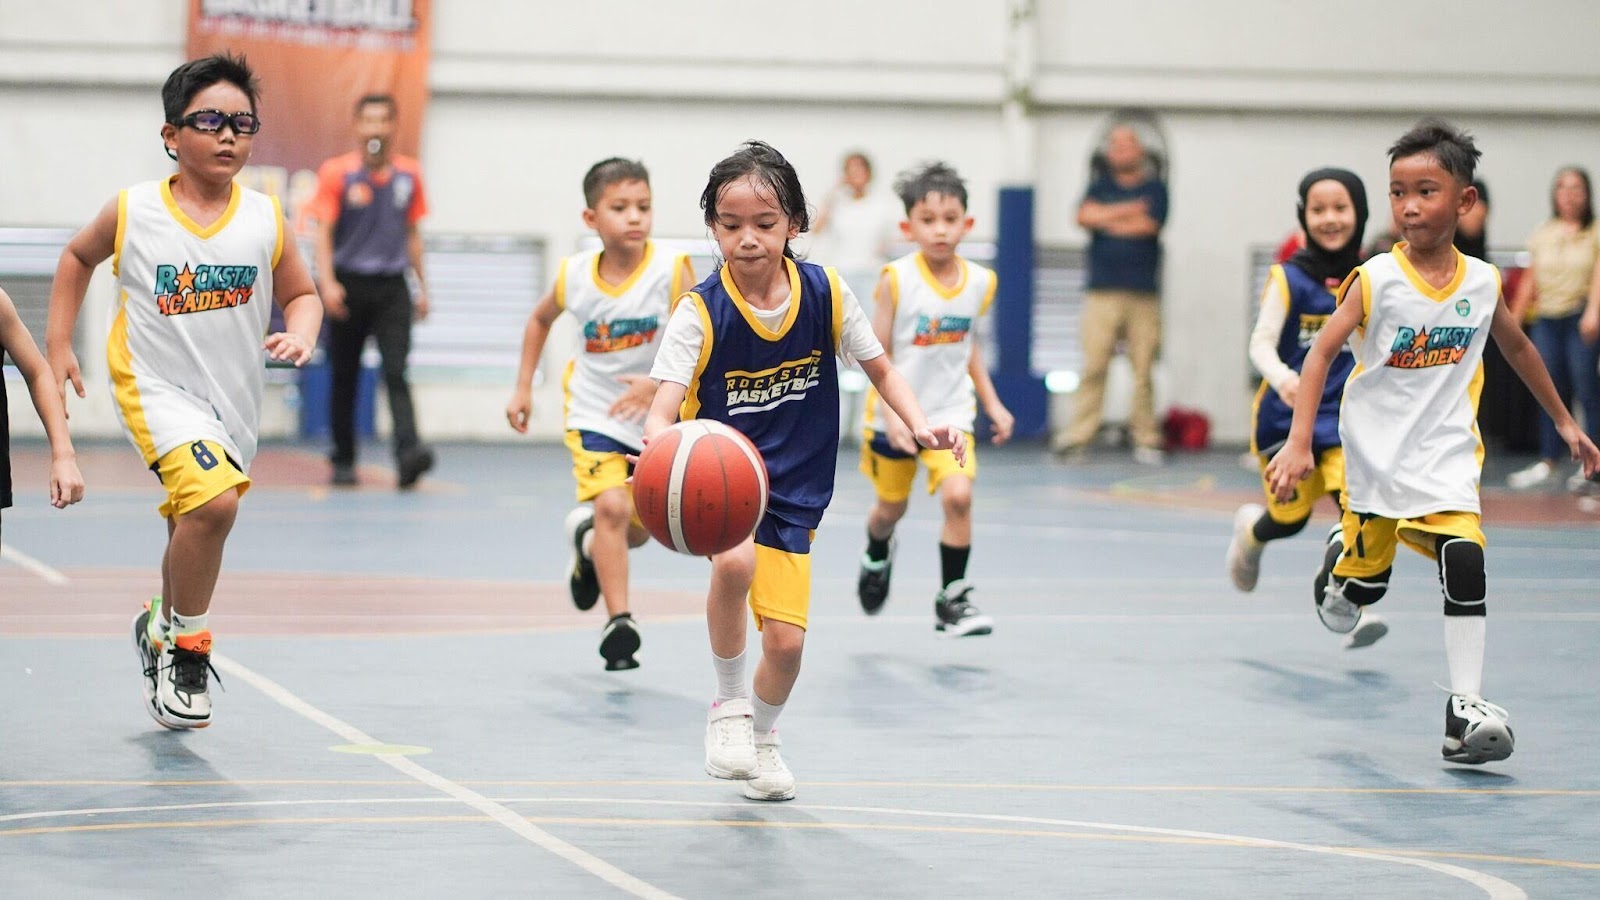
x=933 y=330
x=182 y=291
x=750 y=392
x=1419 y=348
x=619 y=334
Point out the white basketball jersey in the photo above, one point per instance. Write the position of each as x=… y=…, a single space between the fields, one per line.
x=1410 y=416
x=619 y=326
x=932 y=341
x=185 y=345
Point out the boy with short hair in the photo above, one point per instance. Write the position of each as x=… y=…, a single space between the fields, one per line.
x=928 y=307
x=66 y=483
x=196 y=257
x=621 y=295
x=1413 y=456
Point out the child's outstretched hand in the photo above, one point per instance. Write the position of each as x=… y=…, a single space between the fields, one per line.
x=1288 y=468
x=1583 y=450
x=945 y=437
x=519 y=410
x=898 y=434
x=66 y=482
x=1001 y=422
x=286 y=346
x=634 y=403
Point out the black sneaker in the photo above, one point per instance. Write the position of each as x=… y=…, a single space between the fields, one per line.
x=412 y=463
x=958 y=615
x=872 y=587
x=581 y=578
x=1330 y=557
x=1475 y=730
x=619 y=642
x=344 y=475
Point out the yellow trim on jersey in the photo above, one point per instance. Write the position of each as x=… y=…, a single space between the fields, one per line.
x=125 y=387
x=277 y=244
x=561 y=284
x=938 y=286
x=191 y=225
x=1437 y=295
x=788 y=364
x=1474 y=392
x=618 y=290
x=691 y=399
x=566 y=387
x=122 y=232
x=1255 y=414
x=894 y=286
x=1276 y=279
x=838 y=306
x=744 y=308
x=1359 y=272
x=682 y=277
x=988 y=296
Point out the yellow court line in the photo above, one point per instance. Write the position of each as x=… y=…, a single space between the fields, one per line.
x=746 y=823
x=924 y=785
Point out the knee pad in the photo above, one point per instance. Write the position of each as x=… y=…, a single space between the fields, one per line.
x=1361 y=591
x=1461 y=574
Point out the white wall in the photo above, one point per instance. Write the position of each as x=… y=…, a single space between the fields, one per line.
x=526 y=96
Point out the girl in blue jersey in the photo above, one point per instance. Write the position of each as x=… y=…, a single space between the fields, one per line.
x=755 y=346
x=1298 y=300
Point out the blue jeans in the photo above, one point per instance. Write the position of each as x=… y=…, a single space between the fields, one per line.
x=1572 y=363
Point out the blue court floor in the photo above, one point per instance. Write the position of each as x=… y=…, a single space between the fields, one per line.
x=412 y=708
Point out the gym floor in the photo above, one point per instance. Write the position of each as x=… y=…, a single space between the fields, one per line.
x=412 y=707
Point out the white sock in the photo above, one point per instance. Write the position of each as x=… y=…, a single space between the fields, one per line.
x=1463 y=647
x=766 y=714
x=730 y=677
x=188 y=624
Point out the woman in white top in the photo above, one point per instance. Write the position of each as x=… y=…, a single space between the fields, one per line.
x=857 y=226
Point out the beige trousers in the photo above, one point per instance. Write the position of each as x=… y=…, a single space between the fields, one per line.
x=1109 y=316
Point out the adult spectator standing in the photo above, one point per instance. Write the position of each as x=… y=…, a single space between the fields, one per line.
x=1564 y=292
x=368 y=204
x=855 y=226
x=1123 y=210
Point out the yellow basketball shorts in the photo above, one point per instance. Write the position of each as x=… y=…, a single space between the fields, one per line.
x=892 y=471
x=599 y=463
x=1370 y=541
x=781 y=588
x=1325 y=477
x=194 y=474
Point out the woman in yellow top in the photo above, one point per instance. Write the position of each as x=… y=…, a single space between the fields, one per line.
x=1563 y=286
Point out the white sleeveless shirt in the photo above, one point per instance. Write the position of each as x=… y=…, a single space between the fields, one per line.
x=195 y=303
x=932 y=340
x=619 y=328
x=1409 y=422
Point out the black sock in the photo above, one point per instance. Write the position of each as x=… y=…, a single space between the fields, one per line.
x=877 y=550
x=1269 y=529
x=953 y=563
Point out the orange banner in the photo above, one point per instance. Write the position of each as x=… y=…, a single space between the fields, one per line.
x=315 y=60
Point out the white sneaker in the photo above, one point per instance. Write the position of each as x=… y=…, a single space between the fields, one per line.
x=772 y=779
x=1149 y=456
x=1338 y=615
x=730 y=739
x=1244 y=552
x=1475 y=730
x=1531 y=477
x=1369 y=628
x=183 y=693
x=1578 y=484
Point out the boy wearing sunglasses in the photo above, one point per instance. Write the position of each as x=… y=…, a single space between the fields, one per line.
x=198 y=259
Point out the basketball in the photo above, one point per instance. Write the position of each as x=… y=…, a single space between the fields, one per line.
x=700 y=487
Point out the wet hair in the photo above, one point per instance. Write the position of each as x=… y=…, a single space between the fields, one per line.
x=760 y=161
x=607 y=172
x=378 y=100
x=932 y=178
x=865 y=160
x=196 y=75
x=1587 y=217
x=1451 y=146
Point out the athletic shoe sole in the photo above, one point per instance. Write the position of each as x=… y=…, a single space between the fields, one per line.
x=754 y=793
x=1369 y=629
x=141 y=641
x=971 y=626
x=1490 y=742
x=618 y=645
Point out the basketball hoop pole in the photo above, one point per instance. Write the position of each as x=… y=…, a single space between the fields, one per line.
x=1023 y=391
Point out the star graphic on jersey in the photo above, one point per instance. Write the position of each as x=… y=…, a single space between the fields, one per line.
x=185 y=279
x=1420 y=342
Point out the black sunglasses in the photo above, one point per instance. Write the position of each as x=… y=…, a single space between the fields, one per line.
x=212 y=120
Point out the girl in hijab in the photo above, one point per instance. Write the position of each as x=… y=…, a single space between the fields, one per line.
x=1298 y=300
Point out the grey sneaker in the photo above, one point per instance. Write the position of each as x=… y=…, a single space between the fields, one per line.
x=1244 y=551
x=958 y=615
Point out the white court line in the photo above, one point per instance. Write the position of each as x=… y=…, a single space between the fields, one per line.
x=590 y=863
x=50 y=574
x=1496 y=888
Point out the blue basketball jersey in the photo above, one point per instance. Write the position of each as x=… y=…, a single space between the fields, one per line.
x=1310 y=305
x=780 y=388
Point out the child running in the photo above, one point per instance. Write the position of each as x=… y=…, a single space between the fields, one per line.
x=198 y=258
x=1413 y=457
x=762 y=318
x=1295 y=305
x=929 y=304
x=66 y=483
x=621 y=295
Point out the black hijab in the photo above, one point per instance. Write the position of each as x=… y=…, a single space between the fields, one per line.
x=1313 y=259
